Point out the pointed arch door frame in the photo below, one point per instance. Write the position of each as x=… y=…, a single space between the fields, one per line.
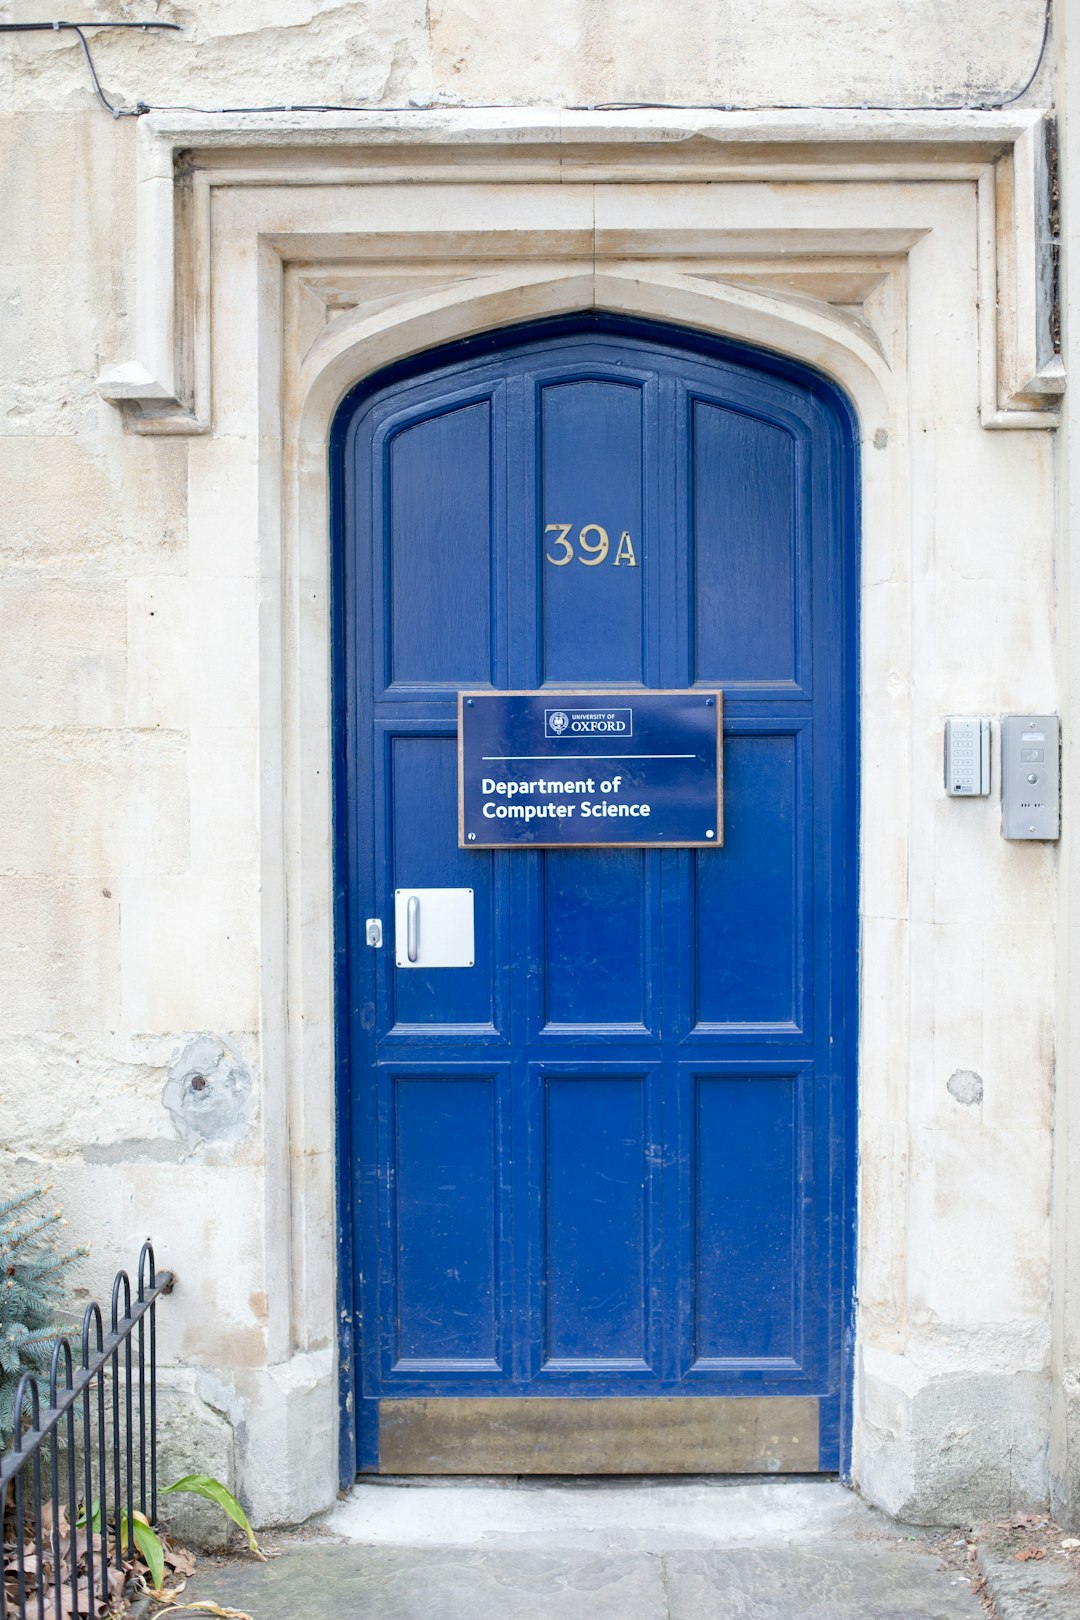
x=449 y=1346
x=328 y=249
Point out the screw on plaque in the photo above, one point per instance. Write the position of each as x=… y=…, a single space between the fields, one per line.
x=472 y=838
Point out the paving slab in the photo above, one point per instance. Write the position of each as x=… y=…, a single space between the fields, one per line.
x=830 y=1581
x=338 y=1581
x=1035 y=1590
x=592 y=1550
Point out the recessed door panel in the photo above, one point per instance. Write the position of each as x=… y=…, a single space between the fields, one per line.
x=597 y=928
x=592 y=600
x=746 y=530
x=749 y=911
x=445 y=1222
x=596 y=1187
x=748 y=1187
x=598 y=1174
x=422 y=784
x=437 y=511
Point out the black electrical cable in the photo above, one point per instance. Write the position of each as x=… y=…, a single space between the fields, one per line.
x=142 y=107
x=77 y=28
x=116 y=112
x=863 y=106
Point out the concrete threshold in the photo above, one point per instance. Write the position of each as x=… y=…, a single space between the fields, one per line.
x=716 y=1549
x=601 y=1514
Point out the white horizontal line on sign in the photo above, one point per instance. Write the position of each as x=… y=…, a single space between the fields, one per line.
x=567 y=757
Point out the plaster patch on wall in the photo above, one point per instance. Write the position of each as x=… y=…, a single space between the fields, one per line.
x=133 y=1152
x=966 y=1086
x=207 y=1091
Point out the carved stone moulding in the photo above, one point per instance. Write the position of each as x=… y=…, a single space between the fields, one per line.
x=818 y=215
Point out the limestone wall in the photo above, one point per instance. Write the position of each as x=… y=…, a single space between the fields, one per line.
x=237 y=53
x=133 y=880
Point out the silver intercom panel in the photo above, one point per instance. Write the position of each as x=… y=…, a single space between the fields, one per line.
x=1030 y=776
x=967 y=758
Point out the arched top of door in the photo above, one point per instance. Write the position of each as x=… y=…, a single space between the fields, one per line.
x=821 y=348
x=595 y=331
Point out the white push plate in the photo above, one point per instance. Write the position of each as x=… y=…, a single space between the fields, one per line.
x=433 y=928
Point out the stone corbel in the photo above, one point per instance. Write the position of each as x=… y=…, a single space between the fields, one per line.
x=1017 y=268
x=166 y=388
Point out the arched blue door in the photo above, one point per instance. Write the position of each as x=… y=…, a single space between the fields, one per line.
x=595 y=1188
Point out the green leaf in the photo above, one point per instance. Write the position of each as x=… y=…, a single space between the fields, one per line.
x=150 y=1549
x=215 y=1491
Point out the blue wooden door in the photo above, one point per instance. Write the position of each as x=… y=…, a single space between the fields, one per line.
x=595 y=1189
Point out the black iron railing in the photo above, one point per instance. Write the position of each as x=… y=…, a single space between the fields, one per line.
x=85 y=1463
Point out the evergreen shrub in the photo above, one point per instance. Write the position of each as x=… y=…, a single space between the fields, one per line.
x=32 y=1302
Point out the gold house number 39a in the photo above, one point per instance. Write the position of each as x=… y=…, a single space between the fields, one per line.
x=593 y=546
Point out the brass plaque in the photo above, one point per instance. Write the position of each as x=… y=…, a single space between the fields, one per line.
x=681 y=1435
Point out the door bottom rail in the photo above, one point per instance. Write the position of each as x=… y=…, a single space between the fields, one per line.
x=776 y=1434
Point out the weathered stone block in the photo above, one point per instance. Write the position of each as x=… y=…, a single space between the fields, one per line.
x=289 y=1442
x=194 y=1437
x=100 y=804
x=62 y=652
x=90 y=1096
x=223 y=766
x=59 y=958
x=88 y=508
x=572 y=52
x=193 y=652
x=951 y=1448
x=190 y=953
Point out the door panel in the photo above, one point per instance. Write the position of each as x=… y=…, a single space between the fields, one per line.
x=438 y=524
x=422 y=791
x=748 y=574
x=444 y=1156
x=597 y=1203
x=748 y=1241
x=607 y=1167
x=592 y=607
x=596 y=938
x=751 y=967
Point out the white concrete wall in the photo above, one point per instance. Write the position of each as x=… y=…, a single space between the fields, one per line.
x=140 y=852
